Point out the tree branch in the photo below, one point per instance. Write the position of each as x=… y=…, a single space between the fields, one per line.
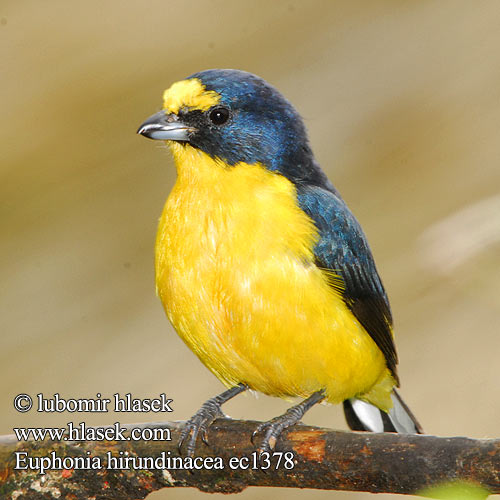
x=323 y=459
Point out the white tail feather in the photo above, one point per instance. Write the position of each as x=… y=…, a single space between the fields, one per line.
x=363 y=416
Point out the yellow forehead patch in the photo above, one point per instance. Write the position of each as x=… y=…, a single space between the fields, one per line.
x=189 y=94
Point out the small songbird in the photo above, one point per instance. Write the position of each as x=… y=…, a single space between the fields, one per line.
x=262 y=269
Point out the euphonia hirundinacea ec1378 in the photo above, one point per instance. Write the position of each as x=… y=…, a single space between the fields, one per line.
x=262 y=269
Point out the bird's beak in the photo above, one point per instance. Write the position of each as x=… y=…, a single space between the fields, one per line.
x=165 y=127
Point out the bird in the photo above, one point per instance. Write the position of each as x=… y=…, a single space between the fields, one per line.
x=262 y=269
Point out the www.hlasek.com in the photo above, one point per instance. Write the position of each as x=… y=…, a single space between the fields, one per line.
x=121 y=460
x=82 y=432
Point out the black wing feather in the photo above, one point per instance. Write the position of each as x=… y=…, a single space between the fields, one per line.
x=343 y=250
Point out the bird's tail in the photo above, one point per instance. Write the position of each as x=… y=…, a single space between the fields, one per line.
x=363 y=416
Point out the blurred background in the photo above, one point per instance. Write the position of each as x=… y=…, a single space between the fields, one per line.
x=402 y=102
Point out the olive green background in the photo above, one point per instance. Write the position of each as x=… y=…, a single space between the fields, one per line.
x=402 y=102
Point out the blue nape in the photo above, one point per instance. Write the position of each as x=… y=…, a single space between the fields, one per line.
x=264 y=128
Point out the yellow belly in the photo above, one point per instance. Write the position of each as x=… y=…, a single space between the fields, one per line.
x=235 y=272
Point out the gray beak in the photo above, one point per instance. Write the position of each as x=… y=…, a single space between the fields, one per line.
x=164 y=127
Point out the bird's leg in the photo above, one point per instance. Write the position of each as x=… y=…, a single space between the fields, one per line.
x=277 y=425
x=204 y=417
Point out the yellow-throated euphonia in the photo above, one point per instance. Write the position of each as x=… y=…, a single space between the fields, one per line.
x=262 y=269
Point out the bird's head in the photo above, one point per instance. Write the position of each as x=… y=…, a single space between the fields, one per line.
x=236 y=117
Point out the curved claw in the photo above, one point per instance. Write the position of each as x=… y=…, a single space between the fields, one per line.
x=256 y=431
x=181 y=440
x=204 y=437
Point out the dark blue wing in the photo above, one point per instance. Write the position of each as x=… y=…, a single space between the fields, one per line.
x=343 y=249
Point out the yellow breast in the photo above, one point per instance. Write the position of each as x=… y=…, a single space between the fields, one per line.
x=235 y=272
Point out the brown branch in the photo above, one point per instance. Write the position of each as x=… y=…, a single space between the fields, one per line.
x=323 y=459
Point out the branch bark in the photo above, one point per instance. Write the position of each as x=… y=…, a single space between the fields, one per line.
x=322 y=459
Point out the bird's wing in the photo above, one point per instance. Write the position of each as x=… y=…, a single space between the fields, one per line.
x=343 y=251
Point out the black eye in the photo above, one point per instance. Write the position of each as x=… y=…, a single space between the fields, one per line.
x=219 y=115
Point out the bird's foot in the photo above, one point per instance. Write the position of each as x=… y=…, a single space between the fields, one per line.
x=199 y=423
x=273 y=429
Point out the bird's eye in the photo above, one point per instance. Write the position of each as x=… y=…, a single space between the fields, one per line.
x=219 y=115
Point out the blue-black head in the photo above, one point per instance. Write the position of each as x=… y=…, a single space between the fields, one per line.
x=236 y=117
